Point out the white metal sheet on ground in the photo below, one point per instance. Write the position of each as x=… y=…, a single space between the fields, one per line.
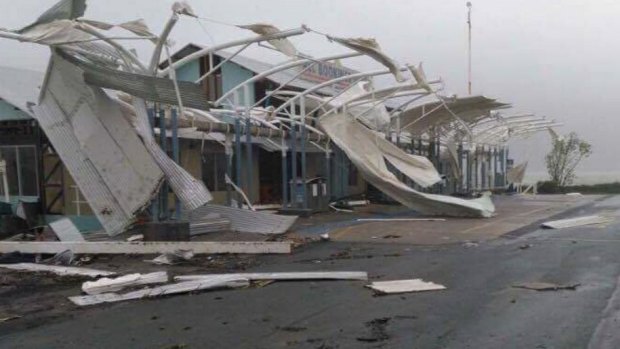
x=65 y=230
x=98 y=146
x=307 y=275
x=182 y=287
x=58 y=270
x=105 y=285
x=403 y=286
x=576 y=222
x=247 y=221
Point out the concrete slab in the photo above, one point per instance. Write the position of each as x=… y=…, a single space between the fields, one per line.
x=513 y=213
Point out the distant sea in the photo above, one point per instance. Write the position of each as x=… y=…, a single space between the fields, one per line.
x=584 y=178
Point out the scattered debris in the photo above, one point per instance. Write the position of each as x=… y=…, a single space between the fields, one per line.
x=576 y=222
x=63 y=258
x=136 y=237
x=65 y=230
x=58 y=270
x=546 y=286
x=182 y=287
x=525 y=246
x=292 y=328
x=401 y=219
x=469 y=244
x=151 y=247
x=312 y=275
x=391 y=236
x=378 y=331
x=9 y=318
x=176 y=257
x=573 y=194
x=403 y=286
x=324 y=237
x=105 y=285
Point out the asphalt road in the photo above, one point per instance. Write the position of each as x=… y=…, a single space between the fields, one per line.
x=480 y=308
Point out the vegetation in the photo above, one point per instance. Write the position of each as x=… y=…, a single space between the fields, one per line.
x=562 y=160
x=550 y=187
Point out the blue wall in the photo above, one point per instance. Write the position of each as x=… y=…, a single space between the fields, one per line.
x=233 y=75
x=189 y=72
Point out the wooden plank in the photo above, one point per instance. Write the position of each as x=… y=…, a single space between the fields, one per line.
x=312 y=275
x=105 y=285
x=139 y=247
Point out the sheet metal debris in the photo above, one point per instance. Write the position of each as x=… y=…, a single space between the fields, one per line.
x=182 y=287
x=242 y=220
x=576 y=222
x=312 y=275
x=404 y=286
x=105 y=285
x=65 y=230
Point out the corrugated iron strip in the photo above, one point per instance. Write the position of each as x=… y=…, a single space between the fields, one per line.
x=245 y=220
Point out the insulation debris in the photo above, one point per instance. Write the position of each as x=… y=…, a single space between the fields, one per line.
x=105 y=285
x=576 y=222
x=176 y=257
x=58 y=270
x=404 y=286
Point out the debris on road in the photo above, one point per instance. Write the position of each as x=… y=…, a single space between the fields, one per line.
x=404 y=286
x=151 y=247
x=378 y=331
x=401 y=219
x=312 y=275
x=136 y=237
x=58 y=270
x=105 y=285
x=176 y=257
x=324 y=237
x=9 y=318
x=546 y=286
x=525 y=246
x=182 y=287
x=576 y=222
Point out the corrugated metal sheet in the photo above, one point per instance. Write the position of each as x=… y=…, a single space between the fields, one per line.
x=98 y=146
x=19 y=88
x=191 y=191
x=146 y=87
x=245 y=220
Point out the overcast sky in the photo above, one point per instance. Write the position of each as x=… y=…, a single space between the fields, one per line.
x=556 y=58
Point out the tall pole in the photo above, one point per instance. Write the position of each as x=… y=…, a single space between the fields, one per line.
x=469 y=47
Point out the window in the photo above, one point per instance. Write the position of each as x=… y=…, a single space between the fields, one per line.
x=21 y=170
x=214 y=171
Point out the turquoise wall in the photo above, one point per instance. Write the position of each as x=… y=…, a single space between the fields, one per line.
x=233 y=75
x=8 y=112
x=189 y=72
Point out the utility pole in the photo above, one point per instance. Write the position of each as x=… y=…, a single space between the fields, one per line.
x=469 y=47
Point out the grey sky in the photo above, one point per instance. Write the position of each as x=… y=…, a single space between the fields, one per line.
x=553 y=57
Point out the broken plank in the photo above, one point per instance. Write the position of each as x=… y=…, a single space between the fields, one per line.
x=182 y=287
x=139 y=247
x=312 y=275
x=58 y=270
x=105 y=285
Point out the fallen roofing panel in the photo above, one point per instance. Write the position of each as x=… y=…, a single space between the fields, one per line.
x=182 y=287
x=123 y=247
x=368 y=157
x=105 y=285
x=403 y=286
x=245 y=220
x=97 y=145
x=65 y=230
x=576 y=222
